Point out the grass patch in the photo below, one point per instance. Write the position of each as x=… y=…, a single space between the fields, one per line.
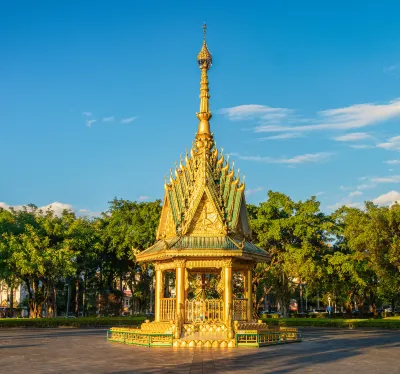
x=384 y=323
x=71 y=322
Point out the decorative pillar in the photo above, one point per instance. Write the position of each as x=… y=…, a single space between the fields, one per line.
x=159 y=292
x=180 y=295
x=228 y=306
x=249 y=293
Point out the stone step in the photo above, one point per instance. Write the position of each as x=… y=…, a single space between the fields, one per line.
x=204 y=343
x=209 y=335
x=204 y=327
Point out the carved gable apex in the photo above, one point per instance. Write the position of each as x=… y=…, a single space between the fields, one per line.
x=166 y=228
x=242 y=227
x=207 y=219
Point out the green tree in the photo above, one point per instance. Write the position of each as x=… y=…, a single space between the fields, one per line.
x=126 y=229
x=32 y=249
x=295 y=234
x=373 y=237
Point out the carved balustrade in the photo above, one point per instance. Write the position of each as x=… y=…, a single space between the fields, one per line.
x=168 y=306
x=240 y=309
x=202 y=310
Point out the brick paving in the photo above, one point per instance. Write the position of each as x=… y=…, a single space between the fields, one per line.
x=322 y=351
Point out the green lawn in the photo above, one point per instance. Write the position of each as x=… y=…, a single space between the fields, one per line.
x=74 y=322
x=387 y=323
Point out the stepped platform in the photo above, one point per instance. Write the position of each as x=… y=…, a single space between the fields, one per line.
x=204 y=335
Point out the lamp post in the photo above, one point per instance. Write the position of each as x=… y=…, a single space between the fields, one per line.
x=305 y=286
x=329 y=306
x=301 y=298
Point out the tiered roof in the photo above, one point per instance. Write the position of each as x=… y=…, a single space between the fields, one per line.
x=204 y=212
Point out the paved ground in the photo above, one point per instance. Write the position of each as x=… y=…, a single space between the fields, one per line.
x=86 y=351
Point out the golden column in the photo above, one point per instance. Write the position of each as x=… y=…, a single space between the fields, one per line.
x=180 y=295
x=228 y=306
x=159 y=291
x=249 y=293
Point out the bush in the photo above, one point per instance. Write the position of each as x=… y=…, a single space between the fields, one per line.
x=72 y=322
x=336 y=322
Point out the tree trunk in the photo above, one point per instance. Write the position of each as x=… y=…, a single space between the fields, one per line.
x=11 y=301
x=84 y=296
x=301 y=298
x=77 y=297
x=121 y=288
x=49 y=301
x=68 y=297
x=373 y=302
x=54 y=300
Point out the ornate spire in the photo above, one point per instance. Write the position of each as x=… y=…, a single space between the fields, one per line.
x=204 y=59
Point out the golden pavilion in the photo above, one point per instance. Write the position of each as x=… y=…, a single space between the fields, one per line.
x=203 y=251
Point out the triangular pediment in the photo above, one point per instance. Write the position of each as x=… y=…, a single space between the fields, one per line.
x=206 y=220
x=167 y=228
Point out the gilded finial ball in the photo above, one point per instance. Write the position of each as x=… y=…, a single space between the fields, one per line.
x=204 y=58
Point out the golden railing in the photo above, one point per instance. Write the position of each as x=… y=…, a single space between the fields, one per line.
x=201 y=310
x=168 y=309
x=240 y=309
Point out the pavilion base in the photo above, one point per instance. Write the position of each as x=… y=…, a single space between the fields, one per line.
x=204 y=335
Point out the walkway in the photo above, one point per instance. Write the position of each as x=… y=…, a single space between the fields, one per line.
x=86 y=351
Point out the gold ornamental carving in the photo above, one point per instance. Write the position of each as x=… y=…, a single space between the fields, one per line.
x=204 y=264
x=179 y=263
x=228 y=263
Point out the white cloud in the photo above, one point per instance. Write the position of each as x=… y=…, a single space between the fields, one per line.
x=143 y=198
x=252 y=191
x=7 y=207
x=361 y=146
x=354 y=136
x=320 y=193
x=288 y=135
x=392 y=70
x=391 y=179
x=56 y=207
x=366 y=186
x=347 y=203
x=90 y=122
x=87 y=114
x=392 y=162
x=351 y=117
x=388 y=198
x=108 y=119
x=355 y=193
x=393 y=144
x=255 y=111
x=128 y=120
x=300 y=159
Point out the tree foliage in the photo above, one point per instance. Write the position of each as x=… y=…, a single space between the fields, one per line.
x=80 y=265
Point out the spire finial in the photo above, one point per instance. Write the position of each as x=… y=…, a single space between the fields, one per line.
x=204 y=60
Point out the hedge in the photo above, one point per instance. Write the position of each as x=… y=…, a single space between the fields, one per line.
x=385 y=323
x=71 y=322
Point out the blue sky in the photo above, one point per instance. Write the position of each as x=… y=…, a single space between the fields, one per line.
x=98 y=99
